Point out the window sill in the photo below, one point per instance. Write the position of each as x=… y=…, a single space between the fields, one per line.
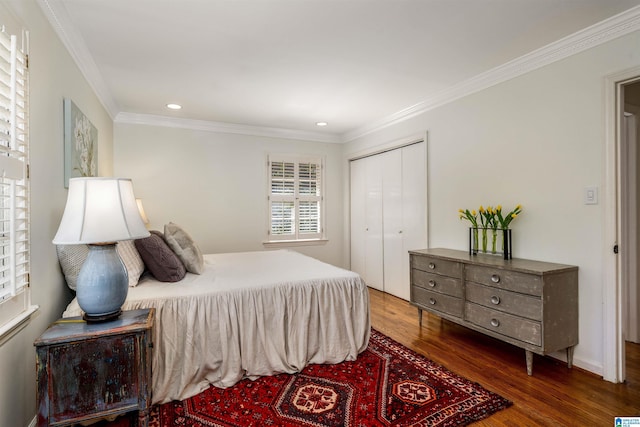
x=12 y=327
x=294 y=243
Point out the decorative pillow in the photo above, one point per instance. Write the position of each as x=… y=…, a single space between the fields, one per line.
x=159 y=259
x=131 y=259
x=71 y=258
x=184 y=247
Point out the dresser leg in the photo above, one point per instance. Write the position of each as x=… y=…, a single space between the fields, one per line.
x=420 y=317
x=529 y=356
x=570 y=356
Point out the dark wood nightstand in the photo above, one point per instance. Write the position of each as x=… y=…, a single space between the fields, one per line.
x=92 y=370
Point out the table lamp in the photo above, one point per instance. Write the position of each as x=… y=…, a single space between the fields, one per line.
x=99 y=213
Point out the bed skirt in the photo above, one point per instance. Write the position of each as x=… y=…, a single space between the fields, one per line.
x=248 y=315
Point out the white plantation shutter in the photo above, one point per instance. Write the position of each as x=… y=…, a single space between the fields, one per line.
x=295 y=198
x=14 y=183
x=282 y=198
x=309 y=199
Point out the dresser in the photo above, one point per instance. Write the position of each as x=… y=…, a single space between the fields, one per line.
x=530 y=304
x=93 y=370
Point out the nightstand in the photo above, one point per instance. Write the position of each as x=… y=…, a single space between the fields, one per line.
x=93 y=370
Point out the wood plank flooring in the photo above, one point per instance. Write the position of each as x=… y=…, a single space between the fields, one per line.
x=554 y=396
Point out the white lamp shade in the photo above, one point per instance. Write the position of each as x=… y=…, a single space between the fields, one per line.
x=100 y=210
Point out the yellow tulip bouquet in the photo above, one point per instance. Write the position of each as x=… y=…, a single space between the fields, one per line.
x=489 y=219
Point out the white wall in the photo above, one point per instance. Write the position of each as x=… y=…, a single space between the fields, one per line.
x=53 y=76
x=214 y=184
x=537 y=140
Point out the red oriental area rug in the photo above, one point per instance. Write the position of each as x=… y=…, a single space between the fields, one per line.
x=388 y=385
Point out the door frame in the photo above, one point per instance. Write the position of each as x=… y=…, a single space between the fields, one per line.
x=613 y=341
x=630 y=284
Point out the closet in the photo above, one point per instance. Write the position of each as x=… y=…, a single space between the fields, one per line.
x=388 y=215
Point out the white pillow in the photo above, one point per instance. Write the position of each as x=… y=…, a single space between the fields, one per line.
x=71 y=258
x=131 y=259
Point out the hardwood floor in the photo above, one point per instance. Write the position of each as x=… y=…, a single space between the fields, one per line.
x=554 y=396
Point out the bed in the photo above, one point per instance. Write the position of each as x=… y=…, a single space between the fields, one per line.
x=247 y=315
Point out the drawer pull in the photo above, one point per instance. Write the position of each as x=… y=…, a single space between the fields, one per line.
x=432 y=266
x=432 y=283
x=432 y=301
x=495 y=299
x=495 y=278
x=495 y=323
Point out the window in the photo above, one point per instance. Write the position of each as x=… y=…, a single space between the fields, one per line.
x=295 y=199
x=14 y=184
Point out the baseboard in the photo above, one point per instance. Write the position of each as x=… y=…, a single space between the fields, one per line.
x=584 y=364
x=589 y=365
x=34 y=421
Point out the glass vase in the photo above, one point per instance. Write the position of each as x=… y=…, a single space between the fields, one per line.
x=506 y=243
x=484 y=240
x=473 y=240
x=494 y=240
x=503 y=234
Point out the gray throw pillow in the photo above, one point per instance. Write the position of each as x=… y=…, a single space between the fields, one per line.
x=159 y=259
x=184 y=247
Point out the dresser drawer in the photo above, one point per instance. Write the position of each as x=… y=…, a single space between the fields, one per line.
x=433 y=282
x=437 y=266
x=509 y=302
x=435 y=301
x=506 y=324
x=529 y=284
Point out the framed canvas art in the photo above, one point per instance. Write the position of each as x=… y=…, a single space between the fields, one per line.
x=80 y=144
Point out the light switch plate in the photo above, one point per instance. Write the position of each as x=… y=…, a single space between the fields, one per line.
x=591 y=195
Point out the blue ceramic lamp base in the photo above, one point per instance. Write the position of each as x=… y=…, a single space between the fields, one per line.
x=102 y=284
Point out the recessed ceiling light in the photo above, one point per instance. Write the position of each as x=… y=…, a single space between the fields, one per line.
x=321 y=123
x=174 y=106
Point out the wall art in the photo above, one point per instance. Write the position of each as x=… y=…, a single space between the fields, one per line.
x=80 y=144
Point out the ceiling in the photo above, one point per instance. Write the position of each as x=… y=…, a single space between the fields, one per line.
x=287 y=64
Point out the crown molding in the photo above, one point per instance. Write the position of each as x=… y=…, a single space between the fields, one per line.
x=58 y=17
x=209 y=126
x=595 y=35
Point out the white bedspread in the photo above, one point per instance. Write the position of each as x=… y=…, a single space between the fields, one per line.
x=249 y=314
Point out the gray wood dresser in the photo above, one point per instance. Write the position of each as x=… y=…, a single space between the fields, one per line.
x=530 y=304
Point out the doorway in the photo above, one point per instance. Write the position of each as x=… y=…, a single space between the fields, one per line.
x=622 y=221
x=630 y=194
